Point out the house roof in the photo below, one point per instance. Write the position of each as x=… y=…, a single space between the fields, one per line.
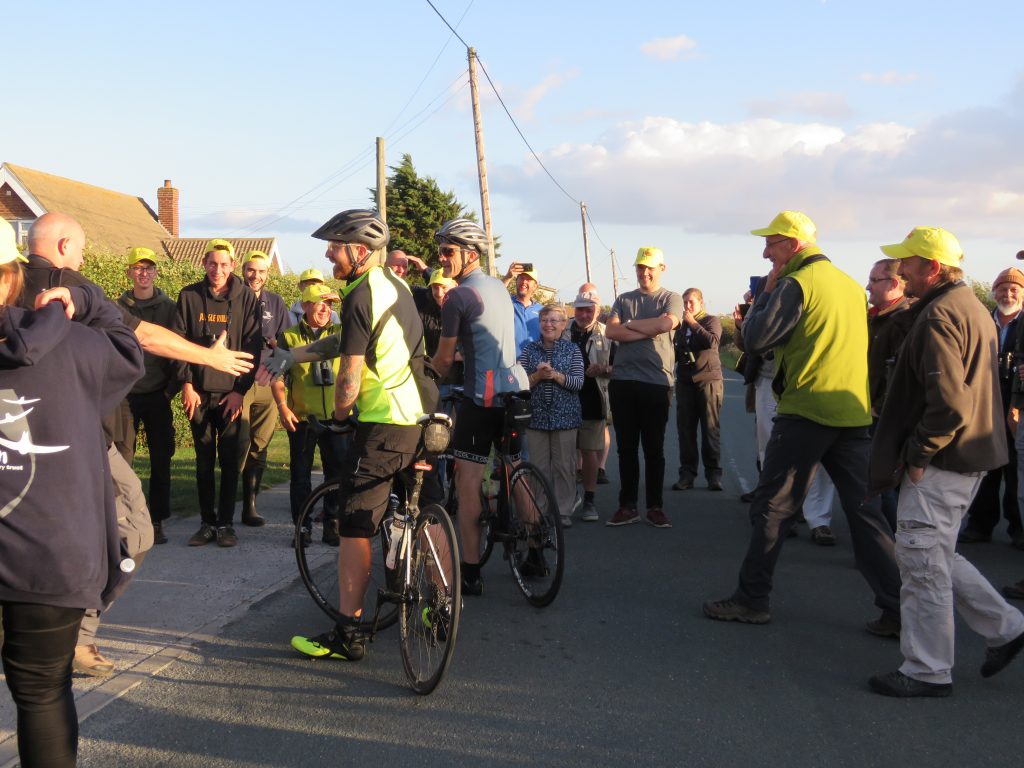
x=192 y=249
x=112 y=221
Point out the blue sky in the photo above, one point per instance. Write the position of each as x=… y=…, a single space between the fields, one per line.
x=681 y=124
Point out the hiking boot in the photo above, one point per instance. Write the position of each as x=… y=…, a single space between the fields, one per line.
x=886 y=625
x=533 y=565
x=1014 y=591
x=656 y=516
x=340 y=643
x=973 y=536
x=823 y=536
x=730 y=610
x=472 y=587
x=89 y=661
x=602 y=476
x=203 y=536
x=747 y=497
x=902 y=687
x=996 y=658
x=331 y=537
x=589 y=513
x=566 y=521
x=305 y=537
x=684 y=483
x=226 y=536
x=159 y=537
x=714 y=483
x=624 y=516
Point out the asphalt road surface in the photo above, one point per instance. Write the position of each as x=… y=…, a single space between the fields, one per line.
x=623 y=669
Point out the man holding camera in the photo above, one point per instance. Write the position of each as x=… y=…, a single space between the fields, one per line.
x=527 y=311
x=700 y=389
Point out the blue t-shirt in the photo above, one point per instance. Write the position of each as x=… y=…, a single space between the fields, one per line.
x=477 y=313
x=527 y=323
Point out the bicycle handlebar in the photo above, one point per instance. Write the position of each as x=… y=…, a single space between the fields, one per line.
x=332 y=425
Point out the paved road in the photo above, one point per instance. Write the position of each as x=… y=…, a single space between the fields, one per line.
x=622 y=670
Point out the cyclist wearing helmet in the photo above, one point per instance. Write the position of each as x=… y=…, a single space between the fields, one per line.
x=381 y=372
x=477 y=316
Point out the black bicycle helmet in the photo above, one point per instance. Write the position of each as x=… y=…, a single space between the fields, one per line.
x=356 y=226
x=464 y=233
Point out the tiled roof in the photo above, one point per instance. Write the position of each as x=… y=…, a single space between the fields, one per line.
x=112 y=221
x=190 y=249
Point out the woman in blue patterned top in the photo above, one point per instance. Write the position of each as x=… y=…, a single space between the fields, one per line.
x=555 y=368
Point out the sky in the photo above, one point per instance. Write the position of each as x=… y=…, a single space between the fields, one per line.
x=682 y=125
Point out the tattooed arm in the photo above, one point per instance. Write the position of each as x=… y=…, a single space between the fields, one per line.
x=346 y=386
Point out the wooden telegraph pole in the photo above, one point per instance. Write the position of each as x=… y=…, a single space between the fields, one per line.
x=586 y=244
x=481 y=163
x=382 y=182
x=615 y=276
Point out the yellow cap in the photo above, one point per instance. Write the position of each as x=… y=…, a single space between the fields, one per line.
x=255 y=255
x=137 y=254
x=437 y=278
x=311 y=274
x=217 y=244
x=8 y=244
x=647 y=256
x=532 y=274
x=319 y=292
x=932 y=243
x=790 y=224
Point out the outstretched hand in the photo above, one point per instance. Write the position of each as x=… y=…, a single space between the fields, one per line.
x=226 y=360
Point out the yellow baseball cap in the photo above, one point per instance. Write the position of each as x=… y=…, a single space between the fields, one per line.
x=932 y=243
x=648 y=256
x=311 y=274
x=9 y=244
x=137 y=254
x=217 y=244
x=437 y=278
x=319 y=292
x=790 y=224
x=532 y=274
x=255 y=255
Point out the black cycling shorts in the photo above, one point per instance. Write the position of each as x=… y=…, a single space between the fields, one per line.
x=477 y=429
x=379 y=452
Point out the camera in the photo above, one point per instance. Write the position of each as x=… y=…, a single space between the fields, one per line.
x=1007 y=369
x=528 y=267
x=687 y=357
x=322 y=373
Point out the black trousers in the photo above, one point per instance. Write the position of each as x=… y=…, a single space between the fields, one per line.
x=795 y=447
x=302 y=445
x=983 y=514
x=699 y=406
x=153 y=411
x=216 y=441
x=640 y=414
x=38 y=644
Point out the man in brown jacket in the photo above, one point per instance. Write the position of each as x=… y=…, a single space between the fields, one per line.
x=940 y=430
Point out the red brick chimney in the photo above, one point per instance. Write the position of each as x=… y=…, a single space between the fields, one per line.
x=167 y=207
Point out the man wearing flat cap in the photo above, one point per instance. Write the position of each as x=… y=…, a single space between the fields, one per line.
x=983 y=516
x=813 y=316
x=940 y=430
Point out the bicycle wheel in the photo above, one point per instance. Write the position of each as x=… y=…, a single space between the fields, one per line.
x=429 y=613
x=536 y=548
x=320 y=574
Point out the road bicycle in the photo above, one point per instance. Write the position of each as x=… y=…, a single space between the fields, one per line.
x=415 y=579
x=519 y=511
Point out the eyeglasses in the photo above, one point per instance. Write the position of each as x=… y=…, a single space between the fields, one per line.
x=879 y=279
x=552 y=321
x=768 y=244
x=449 y=250
x=139 y=269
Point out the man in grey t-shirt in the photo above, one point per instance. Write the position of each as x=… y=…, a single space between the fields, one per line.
x=643 y=322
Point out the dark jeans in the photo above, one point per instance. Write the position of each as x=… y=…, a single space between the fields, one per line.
x=699 y=405
x=153 y=411
x=983 y=514
x=216 y=438
x=794 y=448
x=38 y=643
x=640 y=413
x=302 y=444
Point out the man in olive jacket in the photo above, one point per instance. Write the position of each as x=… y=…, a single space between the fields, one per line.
x=940 y=430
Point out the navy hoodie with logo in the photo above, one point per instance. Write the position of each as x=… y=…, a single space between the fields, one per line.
x=59 y=543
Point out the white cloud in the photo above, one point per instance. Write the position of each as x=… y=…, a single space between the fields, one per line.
x=962 y=171
x=679 y=48
x=534 y=95
x=890 y=78
x=825 y=104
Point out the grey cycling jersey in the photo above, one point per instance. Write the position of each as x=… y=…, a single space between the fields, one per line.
x=479 y=314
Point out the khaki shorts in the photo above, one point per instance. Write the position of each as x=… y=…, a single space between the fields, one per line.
x=591 y=435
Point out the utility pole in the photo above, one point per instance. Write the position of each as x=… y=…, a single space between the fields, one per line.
x=586 y=244
x=481 y=163
x=615 y=276
x=382 y=182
